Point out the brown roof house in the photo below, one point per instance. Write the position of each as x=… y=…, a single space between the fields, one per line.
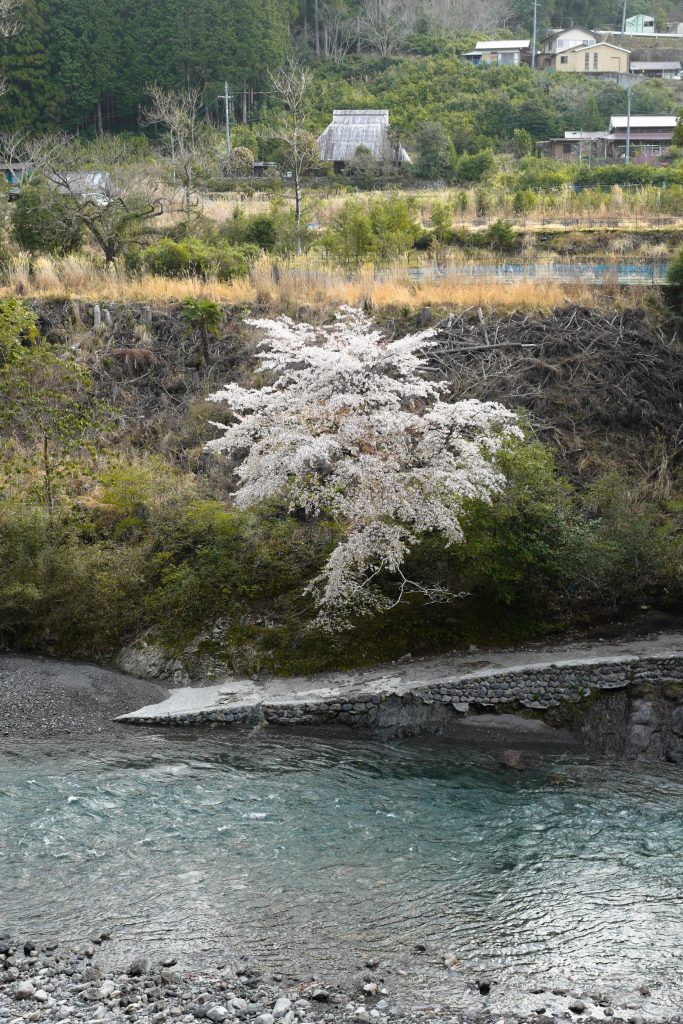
x=351 y=130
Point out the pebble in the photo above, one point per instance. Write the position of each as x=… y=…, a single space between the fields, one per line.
x=217 y=1013
x=25 y=990
x=137 y=968
x=70 y=989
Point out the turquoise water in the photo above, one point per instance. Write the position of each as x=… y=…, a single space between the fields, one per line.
x=311 y=853
x=576 y=272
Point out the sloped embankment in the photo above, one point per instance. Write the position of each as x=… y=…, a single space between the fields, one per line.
x=598 y=385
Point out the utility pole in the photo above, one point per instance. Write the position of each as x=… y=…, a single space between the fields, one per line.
x=623 y=18
x=226 y=99
x=533 y=42
x=629 y=89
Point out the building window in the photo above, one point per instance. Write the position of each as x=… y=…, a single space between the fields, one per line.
x=586 y=62
x=595 y=62
x=567 y=147
x=564 y=60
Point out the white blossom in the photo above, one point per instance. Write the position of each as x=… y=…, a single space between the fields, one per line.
x=353 y=427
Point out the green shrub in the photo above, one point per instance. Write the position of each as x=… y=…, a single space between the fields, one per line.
x=674 y=274
x=61 y=595
x=260 y=231
x=393 y=224
x=473 y=166
x=189 y=258
x=350 y=238
x=229 y=262
x=140 y=551
x=501 y=236
x=193 y=257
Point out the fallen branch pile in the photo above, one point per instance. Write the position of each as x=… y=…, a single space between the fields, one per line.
x=600 y=387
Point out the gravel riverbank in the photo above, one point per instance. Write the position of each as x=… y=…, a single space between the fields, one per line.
x=43 y=698
x=69 y=985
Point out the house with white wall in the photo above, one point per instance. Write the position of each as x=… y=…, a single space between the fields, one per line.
x=500 y=51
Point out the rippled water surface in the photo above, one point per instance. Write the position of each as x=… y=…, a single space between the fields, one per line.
x=312 y=852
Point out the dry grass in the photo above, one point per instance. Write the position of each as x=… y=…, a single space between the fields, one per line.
x=288 y=289
x=218 y=209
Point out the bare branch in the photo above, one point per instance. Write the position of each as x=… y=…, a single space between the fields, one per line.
x=385 y=24
x=10 y=17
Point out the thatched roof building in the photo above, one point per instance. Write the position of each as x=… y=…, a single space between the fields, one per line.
x=353 y=128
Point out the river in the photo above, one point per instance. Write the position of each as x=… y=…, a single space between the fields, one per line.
x=312 y=853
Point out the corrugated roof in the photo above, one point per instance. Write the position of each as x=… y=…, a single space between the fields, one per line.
x=351 y=129
x=587 y=136
x=655 y=65
x=591 y=46
x=560 y=31
x=644 y=121
x=503 y=44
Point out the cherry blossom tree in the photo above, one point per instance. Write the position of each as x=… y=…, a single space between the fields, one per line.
x=353 y=427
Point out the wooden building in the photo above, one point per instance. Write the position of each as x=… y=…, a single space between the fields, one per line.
x=602 y=59
x=500 y=51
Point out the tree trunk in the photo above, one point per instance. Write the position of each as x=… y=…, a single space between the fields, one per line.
x=316 y=27
x=100 y=127
x=297 y=208
x=244 y=103
x=47 y=464
x=204 y=341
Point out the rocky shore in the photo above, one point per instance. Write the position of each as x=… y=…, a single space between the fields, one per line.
x=55 y=983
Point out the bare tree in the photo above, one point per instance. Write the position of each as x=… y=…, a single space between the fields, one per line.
x=10 y=23
x=465 y=15
x=116 y=216
x=291 y=84
x=178 y=113
x=385 y=24
x=15 y=153
x=114 y=207
x=10 y=17
x=339 y=32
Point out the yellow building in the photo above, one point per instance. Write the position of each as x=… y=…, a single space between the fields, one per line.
x=598 y=59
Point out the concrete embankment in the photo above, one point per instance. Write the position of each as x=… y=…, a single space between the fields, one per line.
x=429 y=696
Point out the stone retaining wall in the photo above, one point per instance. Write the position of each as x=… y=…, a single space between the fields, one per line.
x=424 y=708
